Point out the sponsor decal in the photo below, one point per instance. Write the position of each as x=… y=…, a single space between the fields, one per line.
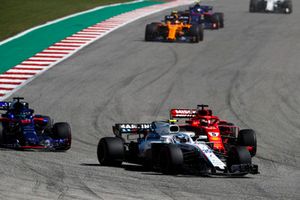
x=130 y=128
x=213 y=134
x=183 y=112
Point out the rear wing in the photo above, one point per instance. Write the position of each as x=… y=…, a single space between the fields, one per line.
x=184 y=19
x=130 y=128
x=4 y=105
x=169 y=18
x=183 y=113
x=203 y=7
x=206 y=8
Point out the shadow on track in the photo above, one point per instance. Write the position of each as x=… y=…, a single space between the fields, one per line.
x=151 y=172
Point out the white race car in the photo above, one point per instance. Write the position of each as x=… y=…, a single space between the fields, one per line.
x=274 y=6
x=162 y=146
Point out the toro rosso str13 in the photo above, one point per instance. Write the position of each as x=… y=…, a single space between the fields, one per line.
x=204 y=15
x=21 y=129
x=161 y=146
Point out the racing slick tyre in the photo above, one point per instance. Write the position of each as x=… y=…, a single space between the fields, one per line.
x=220 y=17
x=253 y=6
x=288 y=6
x=257 y=5
x=247 y=137
x=215 y=22
x=110 y=151
x=1 y=133
x=238 y=155
x=196 y=33
x=152 y=31
x=171 y=159
x=62 y=130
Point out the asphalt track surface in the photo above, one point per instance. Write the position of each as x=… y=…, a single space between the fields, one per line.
x=248 y=73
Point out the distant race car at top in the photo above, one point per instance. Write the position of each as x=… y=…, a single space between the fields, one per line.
x=161 y=146
x=204 y=15
x=21 y=129
x=174 y=28
x=272 y=6
x=221 y=134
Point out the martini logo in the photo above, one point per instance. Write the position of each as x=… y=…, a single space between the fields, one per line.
x=128 y=126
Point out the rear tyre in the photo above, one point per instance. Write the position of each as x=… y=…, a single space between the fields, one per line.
x=254 y=6
x=247 y=137
x=220 y=17
x=110 y=151
x=171 y=159
x=288 y=6
x=196 y=33
x=1 y=133
x=238 y=155
x=62 y=130
x=215 y=21
x=152 y=31
x=257 y=6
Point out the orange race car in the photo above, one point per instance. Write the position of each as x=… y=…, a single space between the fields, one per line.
x=174 y=28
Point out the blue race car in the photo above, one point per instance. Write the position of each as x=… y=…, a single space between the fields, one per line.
x=21 y=129
x=203 y=14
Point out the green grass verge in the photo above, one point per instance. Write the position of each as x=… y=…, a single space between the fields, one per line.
x=21 y=48
x=19 y=15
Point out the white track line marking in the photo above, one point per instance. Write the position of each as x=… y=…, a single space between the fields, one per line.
x=20 y=75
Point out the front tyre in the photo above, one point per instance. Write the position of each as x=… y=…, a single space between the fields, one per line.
x=171 y=159
x=238 y=155
x=247 y=137
x=62 y=130
x=220 y=17
x=151 y=32
x=288 y=6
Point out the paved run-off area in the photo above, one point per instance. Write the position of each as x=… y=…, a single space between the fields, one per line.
x=248 y=72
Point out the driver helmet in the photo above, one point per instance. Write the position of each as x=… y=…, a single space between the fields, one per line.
x=180 y=138
x=204 y=122
x=17 y=107
x=175 y=14
x=197 y=7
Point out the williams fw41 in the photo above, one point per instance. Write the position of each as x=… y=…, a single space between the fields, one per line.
x=161 y=146
x=174 y=28
x=271 y=6
x=21 y=129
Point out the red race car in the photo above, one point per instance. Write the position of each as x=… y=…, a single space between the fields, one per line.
x=220 y=134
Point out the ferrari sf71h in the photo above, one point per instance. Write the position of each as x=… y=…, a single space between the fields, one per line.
x=222 y=135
